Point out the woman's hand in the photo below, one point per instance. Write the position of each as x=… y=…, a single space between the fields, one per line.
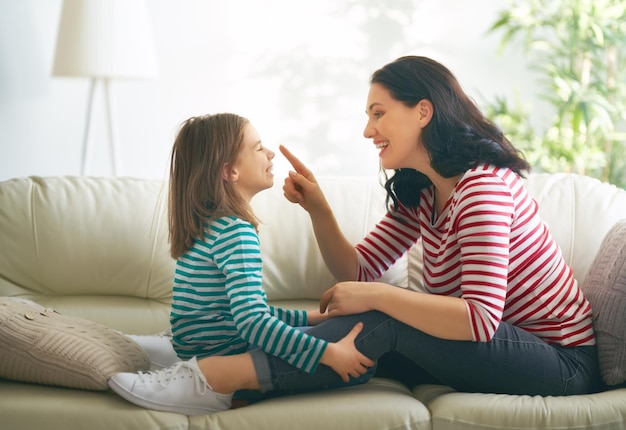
x=300 y=186
x=351 y=297
x=344 y=358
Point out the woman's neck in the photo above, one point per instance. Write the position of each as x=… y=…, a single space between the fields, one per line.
x=443 y=190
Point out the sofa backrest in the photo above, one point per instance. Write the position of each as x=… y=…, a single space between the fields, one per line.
x=97 y=247
x=292 y=264
x=66 y=240
x=579 y=210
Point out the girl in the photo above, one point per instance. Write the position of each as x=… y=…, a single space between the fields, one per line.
x=219 y=308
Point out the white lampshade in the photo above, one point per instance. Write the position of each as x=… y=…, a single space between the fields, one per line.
x=105 y=39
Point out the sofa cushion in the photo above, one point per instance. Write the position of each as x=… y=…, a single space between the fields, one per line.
x=451 y=410
x=605 y=288
x=380 y=404
x=42 y=346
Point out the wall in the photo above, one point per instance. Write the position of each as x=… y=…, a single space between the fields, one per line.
x=298 y=70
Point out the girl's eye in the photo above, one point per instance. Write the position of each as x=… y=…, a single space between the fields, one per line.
x=378 y=114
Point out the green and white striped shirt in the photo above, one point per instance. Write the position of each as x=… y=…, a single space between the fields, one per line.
x=219 y=306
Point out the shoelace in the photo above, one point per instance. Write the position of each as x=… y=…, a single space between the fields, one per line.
x=182 y=369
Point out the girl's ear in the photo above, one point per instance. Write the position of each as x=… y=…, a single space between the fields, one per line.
x=425 y=112
x=229 y=173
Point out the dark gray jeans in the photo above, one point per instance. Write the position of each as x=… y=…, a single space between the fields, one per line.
x=513 y=362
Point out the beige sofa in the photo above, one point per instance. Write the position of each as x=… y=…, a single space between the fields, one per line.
x=97 y=248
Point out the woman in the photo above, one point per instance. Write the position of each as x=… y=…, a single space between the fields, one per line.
x=503 y=314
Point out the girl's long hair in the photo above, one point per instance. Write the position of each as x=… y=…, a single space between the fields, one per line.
x=458 y=137
x=198 y=191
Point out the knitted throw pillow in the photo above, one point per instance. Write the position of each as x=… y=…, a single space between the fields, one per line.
x=42 y=346
x=605 y=288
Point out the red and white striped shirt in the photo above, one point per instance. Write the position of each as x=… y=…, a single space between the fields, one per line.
x=490 y=247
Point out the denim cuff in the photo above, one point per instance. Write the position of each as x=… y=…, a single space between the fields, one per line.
x=262 y=368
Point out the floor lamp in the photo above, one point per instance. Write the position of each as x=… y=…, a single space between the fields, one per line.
x=104 y=40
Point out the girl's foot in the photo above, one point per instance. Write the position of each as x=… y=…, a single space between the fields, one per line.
x=180 y=388
x=159 y=348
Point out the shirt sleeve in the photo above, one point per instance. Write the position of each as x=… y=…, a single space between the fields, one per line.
x=483 y=222
x=293 y=317
x=238 y=256
x=394 y=235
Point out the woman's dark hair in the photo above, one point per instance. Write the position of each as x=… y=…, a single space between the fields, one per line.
x=458 y=137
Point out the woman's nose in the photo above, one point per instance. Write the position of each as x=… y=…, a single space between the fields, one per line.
x=368 y=131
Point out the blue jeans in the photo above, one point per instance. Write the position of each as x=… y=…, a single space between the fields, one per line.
x=513 y=362
x=252 y=395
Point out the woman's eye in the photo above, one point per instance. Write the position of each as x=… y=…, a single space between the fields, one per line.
x=378 y=114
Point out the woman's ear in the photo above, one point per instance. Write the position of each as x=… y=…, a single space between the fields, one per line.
x=425 y=112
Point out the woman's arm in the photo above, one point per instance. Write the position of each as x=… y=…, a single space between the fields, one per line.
x=481 y=226
x=441 y=316
x=301 y=187
x=338 y=253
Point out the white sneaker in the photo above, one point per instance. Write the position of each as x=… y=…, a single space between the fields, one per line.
x=181 y=388
x=159 y=348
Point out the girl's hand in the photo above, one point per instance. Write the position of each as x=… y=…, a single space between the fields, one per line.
x=315 y=317
x=351 y=297
x=344 y=358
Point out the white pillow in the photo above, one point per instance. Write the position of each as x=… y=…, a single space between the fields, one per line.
x=41 y=346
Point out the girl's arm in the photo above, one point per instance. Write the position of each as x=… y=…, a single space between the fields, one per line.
x=315 y=317
x=298 y=318
x=240 y=261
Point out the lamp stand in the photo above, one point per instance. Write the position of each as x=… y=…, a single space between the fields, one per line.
x=110 y=122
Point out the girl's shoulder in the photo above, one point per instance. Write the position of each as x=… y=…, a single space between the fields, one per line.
x=227 y=224
x=228 y=221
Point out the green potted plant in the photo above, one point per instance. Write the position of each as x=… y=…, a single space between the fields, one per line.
x=578 y=50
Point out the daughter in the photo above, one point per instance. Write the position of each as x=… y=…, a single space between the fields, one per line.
x=219 y=308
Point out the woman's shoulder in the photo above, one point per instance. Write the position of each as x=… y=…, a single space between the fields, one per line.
x=488 y=170
x=488 y=173
x=493 y=181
